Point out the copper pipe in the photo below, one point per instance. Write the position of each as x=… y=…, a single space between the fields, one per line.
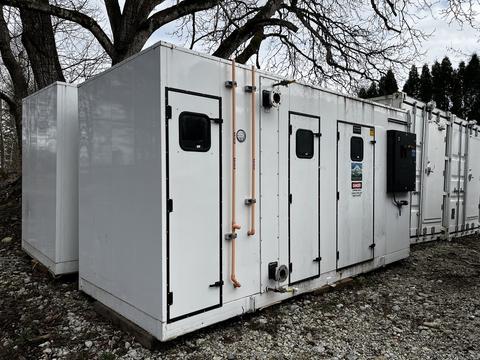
x=235 y=226
x=251 y=232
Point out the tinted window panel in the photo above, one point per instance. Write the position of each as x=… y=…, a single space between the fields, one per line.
x=194 y=132
x=356 y=148
x=304 y=143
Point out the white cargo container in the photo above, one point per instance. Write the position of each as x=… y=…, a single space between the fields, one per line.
x=174 y=235
x=446 y=201
x=50 y=177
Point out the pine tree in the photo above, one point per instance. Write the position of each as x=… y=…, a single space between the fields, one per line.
x=388 y=84
x=372 y=90
x=436 y=83
x=412 y=85
x=458 y=91
x=472 y=88
x=425 y=92
x=442 y=80
x=362 y=93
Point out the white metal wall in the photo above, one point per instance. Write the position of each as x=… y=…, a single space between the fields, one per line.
x=50 y=182
x=446 y=148
x=127 y=257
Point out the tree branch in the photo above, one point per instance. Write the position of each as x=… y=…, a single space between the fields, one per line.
x=71 y=15
x=175 y=12
x=13 y=67
x=252 y=47
x=261 y=19
x=114 y=14
x=11 y=103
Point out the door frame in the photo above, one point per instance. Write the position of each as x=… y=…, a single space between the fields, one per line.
x=373 y=196
x=166 y=201
x=458 y=172
x=290 y=113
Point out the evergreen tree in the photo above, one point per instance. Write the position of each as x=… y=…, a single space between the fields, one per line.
x=362 y=93
x=458 y=91
x=436 y=82
x=412 y=85
x=442 y=80
x=388 y=84
x=372 y=91
x=472 y=88
x=425 y=92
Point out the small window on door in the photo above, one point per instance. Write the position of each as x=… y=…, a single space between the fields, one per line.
x=356 y=148
x=304 y=143
x=194 y=132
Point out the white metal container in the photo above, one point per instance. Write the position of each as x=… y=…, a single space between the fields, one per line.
x=167 y=173
x=50 y=177
x=447 y=196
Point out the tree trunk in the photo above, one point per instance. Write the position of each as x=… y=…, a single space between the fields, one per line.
x=2 y=149
x=39 y=41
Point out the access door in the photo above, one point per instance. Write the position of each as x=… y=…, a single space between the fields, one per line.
x=433 y=176
x=457 y=178
x=355 y=193
x=193 y=203
x=304 y=198
x=472 y=180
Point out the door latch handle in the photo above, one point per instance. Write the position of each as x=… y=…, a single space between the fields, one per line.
x=216 y=284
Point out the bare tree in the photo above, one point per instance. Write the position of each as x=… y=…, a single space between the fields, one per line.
x=39 y=41
x=36 y=52
x=19 y=88
x=318 y=40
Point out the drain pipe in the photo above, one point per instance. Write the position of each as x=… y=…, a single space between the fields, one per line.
x=235 y=226
x=252 y=201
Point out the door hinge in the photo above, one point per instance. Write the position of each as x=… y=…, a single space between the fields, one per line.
x=290 y=268
x=216 y=284
x=169 y=205
x=170 y=298
x=168 y=112
x=290 y=129
x=372 y=246
x=317 y=259
x=290 y=198
x=338 y=255
x=338 y=135
x=338 y=195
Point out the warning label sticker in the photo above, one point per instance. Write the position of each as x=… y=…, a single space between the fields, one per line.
x=357 y=170
x=356 y=185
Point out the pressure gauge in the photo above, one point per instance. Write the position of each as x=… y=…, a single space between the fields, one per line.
x=241 y=135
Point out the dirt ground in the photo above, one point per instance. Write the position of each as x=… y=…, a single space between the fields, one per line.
x=425 y=307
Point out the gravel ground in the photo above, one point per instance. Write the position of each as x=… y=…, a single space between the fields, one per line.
x=426 y=307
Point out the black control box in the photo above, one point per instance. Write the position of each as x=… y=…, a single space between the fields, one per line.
x=401 y=160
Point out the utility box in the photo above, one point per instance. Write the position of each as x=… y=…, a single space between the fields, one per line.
x=401 y=160
x=50 y=178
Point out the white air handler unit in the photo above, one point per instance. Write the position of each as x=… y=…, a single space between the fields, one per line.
x=208 y=190
x=446 y=201
x=50 y=178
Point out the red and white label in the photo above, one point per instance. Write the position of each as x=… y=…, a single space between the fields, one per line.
x=357 y=185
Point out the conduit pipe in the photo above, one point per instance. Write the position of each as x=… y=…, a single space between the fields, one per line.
x=235 y=226
x=253 y=200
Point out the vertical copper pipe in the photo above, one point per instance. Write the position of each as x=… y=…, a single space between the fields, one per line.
x=251 y=232
x=235 y=226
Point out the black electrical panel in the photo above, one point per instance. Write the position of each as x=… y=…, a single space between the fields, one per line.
x=401 y=160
